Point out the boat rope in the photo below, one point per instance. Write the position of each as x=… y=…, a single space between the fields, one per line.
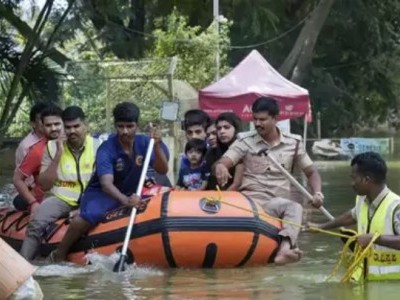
x=353 y=261
x=211 y=200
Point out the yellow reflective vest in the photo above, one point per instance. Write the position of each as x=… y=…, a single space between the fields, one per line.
x=73 y=173
x=383 y=263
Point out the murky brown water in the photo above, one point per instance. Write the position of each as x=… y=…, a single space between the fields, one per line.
x=304 y=280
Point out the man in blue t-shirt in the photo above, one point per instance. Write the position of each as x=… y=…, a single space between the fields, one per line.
x=119 y=162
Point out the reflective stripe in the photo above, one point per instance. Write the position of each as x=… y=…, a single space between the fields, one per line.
x=384 y=270
x=86 y=176
x=383 y=263
x=73 y=177
x=66 y=194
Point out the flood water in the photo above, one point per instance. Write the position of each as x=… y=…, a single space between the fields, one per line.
x=304 y=280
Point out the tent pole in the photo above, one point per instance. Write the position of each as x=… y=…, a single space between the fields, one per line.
x=319 y=125
x=216 y=20
x=305 y=132
x=251 y=126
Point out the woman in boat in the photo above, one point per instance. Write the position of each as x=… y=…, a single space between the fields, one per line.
x=228 y=126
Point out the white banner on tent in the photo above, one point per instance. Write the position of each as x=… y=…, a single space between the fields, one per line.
x=284 y=126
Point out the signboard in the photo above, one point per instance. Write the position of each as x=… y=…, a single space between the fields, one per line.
x=169 y=111
x=353 y=146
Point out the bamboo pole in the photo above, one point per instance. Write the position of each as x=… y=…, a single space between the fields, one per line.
x=301 y=188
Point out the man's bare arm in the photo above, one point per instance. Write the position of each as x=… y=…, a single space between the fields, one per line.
x=22 y=188
x=160 y=162
x=314 y=179
x=345 y=219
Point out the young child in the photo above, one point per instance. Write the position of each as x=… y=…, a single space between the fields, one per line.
x=194 y=176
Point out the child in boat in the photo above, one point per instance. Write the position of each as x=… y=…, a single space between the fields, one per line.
x=194 y=124
x=194 y=176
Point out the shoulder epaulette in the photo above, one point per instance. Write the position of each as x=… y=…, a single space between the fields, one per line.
x=293 y=136
x=247 y=134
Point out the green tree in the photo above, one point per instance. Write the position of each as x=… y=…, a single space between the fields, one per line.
x=355 y=70
x=195 y=48
x=344 y=52
x=27 y=73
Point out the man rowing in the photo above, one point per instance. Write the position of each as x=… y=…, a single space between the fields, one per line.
x=119 y=163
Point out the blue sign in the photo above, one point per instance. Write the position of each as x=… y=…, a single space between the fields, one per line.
x=353 y=146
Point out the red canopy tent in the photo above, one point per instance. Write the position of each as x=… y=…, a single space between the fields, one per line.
x=252 y=78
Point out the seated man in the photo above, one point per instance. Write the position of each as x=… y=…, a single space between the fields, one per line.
x=262 y=181
x=377 y=210
x=119 y=164
x=31 y=194
x=65 y=172
x=34 y=136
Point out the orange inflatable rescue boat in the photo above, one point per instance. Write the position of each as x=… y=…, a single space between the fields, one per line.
x=177 y=229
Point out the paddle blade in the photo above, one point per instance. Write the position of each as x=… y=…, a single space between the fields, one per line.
x=123 y=261
x=120 y=264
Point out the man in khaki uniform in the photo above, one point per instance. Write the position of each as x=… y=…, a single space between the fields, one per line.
x=263 y=182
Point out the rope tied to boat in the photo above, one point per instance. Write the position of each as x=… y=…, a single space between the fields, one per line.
x=352 y=261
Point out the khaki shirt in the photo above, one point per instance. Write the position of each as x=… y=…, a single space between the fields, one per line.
x=373 y=207
x=260 y=174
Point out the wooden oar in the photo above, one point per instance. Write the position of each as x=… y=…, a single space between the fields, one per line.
x=308 y=195
x=120 y=265
x=296 y=183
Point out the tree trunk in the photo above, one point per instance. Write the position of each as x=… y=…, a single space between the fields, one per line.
x=298 y=62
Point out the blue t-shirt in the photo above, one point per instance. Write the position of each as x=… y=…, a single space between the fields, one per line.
x=111 y=159
x=184 y=161
x=192 y=179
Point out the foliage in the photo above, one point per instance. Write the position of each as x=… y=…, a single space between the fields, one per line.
x=195 y=48
x=92 y=84
x=353 y=76
x=357 y=84
x=25 y=70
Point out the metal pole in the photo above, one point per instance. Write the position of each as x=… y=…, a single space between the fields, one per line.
x=172 y=125
x=319 y=125
x=216 y=20
x=108 y=106
x=305 y=132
